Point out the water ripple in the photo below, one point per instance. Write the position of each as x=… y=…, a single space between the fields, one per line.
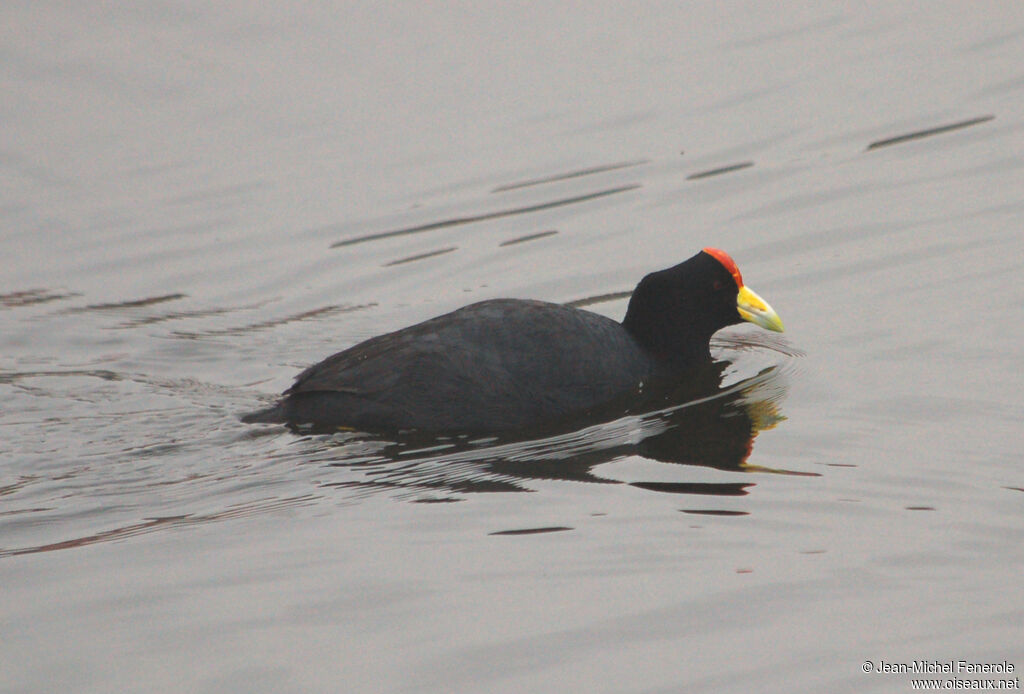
x=572 y=174
x=927 y=132
x=455 y=221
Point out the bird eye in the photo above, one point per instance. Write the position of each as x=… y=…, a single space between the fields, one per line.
x=718 y=285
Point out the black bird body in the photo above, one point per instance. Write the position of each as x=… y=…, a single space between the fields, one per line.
x=509 y=364
x=499 y=364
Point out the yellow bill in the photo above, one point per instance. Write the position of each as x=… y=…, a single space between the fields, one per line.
x=753 y=308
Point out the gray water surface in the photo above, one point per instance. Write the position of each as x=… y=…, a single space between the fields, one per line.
x=198 y=202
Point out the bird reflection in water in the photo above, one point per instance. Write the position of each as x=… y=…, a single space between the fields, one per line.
x=700 y=422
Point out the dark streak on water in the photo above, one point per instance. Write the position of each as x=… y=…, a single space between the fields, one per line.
x=182 y=315
x=928 y=132
x=455 y=221
x=264 y=325
x=572 y=174
x=13 y=376
x=715 y=488
x=153 y=524
x=599 y=299
x=421 y=256
x=134 y=303
x=29 y=297
x=528 y=237
x=533 y=531
x=720 y=170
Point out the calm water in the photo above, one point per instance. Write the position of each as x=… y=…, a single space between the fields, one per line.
x=196 y=203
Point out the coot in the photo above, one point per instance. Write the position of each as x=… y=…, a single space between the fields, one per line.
x=508 y=364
